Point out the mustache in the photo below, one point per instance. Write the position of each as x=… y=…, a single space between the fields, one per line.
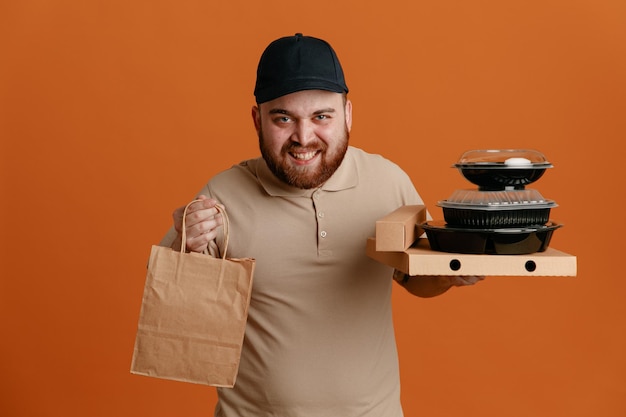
x=311 y=147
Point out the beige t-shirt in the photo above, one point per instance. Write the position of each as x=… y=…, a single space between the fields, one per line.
x=319 y=340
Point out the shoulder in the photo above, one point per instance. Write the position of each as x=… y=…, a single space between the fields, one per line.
x=374 y=164
x=244 y=170
x=384 y=178
x=238 y=179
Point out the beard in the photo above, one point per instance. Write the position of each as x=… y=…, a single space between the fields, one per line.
x=305 y=177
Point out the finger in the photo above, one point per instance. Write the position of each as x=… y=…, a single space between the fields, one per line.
x=472 y=279
x=475 y=278
x=215 y=208
x=463 y=280
x=457 y=281
x=202 y=227
x=205 y=203
x=199 y=243
x=201 y=215
x=178 y=214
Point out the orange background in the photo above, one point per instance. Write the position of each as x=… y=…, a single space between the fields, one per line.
x=116 y=112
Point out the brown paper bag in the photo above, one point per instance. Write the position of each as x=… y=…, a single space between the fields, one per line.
x=193 y=315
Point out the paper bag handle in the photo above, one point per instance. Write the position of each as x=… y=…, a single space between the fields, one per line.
x=226 y=227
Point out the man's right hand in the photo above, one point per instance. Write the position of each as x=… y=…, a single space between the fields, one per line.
x=201 y=223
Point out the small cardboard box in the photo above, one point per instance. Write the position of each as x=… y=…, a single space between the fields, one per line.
x=399 y=229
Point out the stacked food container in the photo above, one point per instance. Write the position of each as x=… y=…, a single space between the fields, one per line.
x=502 y=216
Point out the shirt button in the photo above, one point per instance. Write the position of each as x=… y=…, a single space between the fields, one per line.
x=323 y=233
x=320 y=214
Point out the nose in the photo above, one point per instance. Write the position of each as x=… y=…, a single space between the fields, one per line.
x=304 y=133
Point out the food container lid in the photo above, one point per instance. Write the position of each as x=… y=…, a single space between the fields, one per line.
x=503 y=158
x=497 y=200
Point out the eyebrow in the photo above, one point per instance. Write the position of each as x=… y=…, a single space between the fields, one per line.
x=288 y=113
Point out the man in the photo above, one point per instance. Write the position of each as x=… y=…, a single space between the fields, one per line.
x=319 y=339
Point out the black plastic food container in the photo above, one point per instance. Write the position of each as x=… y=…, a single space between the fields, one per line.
x=496 y=209
x=507 y=241
x=499 y=169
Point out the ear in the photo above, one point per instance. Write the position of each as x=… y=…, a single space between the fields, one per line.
x=348 y=111
x=256 y=118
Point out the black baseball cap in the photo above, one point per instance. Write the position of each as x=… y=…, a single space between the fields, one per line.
x=296 y=63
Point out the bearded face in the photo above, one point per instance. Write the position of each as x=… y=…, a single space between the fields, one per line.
x=304 y=136
x=305 y=176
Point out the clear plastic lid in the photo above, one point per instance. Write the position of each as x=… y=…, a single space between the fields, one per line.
x=503 y=158
x=496 y=200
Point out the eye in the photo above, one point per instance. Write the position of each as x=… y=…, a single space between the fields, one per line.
x=321 y=117
x=282 y=119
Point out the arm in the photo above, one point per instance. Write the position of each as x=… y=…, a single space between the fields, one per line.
x=427 y=286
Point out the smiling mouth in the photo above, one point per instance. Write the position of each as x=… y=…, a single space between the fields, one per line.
x=304 y=156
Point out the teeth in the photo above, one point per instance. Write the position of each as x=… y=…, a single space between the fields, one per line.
x=304 y=156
